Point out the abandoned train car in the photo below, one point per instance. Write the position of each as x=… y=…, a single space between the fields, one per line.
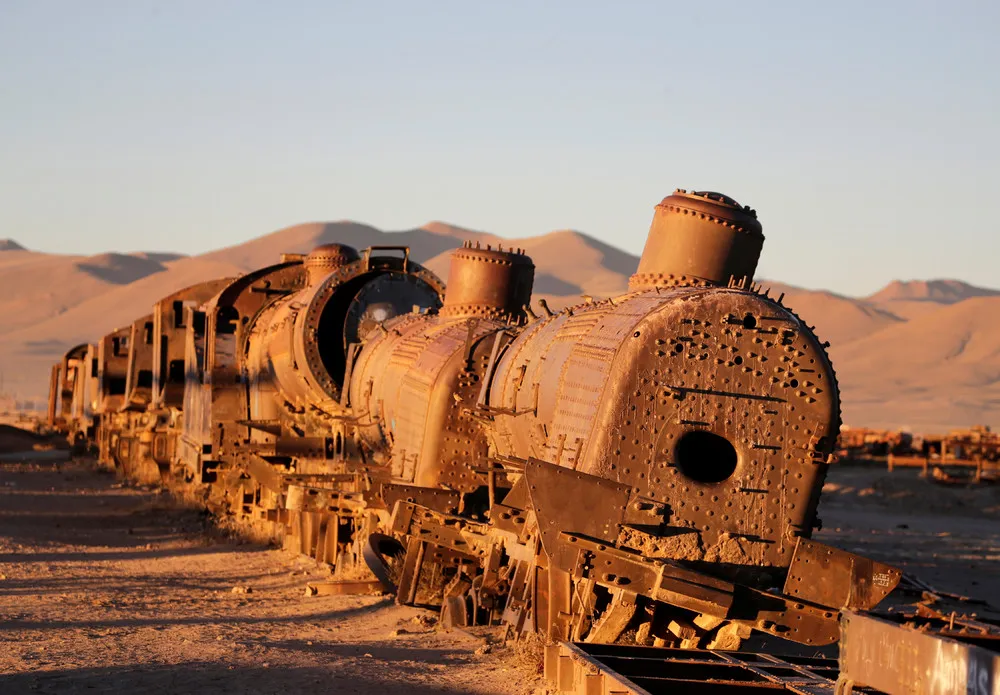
x=653 y=459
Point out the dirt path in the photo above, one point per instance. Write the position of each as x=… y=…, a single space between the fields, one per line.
x=105 y=588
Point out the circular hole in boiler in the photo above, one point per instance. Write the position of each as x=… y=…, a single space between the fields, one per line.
x=737 y=360
x=749 y=321
x=705 y=457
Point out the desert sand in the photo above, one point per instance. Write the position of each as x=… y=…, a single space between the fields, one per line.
x=106 y=587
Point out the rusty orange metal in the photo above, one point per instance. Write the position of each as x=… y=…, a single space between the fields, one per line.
x=651 y=461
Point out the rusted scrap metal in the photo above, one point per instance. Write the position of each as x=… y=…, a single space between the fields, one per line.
x=875 y=656
x=361 y=587
x=650 y=461
x=832 y=577
x=900 y=659
x=856 y=443
x=589 y=669
x=959 y=457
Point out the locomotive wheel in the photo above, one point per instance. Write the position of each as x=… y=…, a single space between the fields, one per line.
x=384 y=556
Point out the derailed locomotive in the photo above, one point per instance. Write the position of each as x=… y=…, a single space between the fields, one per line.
x=650 y=461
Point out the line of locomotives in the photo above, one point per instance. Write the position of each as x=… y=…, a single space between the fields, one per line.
x=648 y=462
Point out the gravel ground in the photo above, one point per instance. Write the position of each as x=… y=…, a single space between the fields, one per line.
x=108 y=588
x=948 y=536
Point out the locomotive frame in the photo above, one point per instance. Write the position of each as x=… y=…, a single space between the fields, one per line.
x=650 y=461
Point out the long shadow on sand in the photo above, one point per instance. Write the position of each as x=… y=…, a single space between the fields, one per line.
x=341 y=614
x=197 y=677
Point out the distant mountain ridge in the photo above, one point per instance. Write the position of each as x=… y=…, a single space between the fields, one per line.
x=921 y=354
x=940 y=291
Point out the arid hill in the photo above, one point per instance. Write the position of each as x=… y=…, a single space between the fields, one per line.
x=36 y=286
x=916 y=297
x=918 y=354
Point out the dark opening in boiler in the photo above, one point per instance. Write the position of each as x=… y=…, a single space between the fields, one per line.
x=705 y=457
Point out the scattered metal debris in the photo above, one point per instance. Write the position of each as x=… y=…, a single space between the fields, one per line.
x=958 y=458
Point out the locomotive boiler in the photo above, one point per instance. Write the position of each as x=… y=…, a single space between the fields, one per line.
x=651 y=461
x=593 y=450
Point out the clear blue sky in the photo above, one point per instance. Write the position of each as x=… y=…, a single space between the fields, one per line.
x=866 y=134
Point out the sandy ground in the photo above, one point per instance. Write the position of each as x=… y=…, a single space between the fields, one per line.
x=105 y=588
x=109 y=588
x=948 y=536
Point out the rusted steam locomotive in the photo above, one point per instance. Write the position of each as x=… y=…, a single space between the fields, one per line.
x=651 y=461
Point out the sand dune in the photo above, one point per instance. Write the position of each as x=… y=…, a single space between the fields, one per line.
x=37 y=286
x=423 y=243
x=103 y=313
x=159 y=256
x=568 y=263
x=936 y=371
x=119 y=269
x=923 y=354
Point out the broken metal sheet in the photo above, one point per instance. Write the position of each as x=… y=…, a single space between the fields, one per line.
x=264 y=473
x=567 y=501
x=836 y=578
x=372 y=587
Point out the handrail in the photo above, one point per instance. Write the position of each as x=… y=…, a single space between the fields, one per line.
x=387 y=247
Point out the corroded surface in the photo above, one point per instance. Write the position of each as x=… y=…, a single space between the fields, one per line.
x=651 y=461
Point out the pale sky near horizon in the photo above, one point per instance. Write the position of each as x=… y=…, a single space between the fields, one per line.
x=866 y=134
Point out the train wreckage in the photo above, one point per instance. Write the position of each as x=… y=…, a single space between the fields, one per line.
x=648 y=464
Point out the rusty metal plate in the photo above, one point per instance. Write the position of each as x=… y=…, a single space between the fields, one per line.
x=801 y=622
x=445 y=501
x=896 y=659
x=836 y=578
x=444 y=530
x=264 y=473
x=587 y=559
x=304 y=498
x=510 y=519
x=567 y=501
x=682 y=587
x=372 y=587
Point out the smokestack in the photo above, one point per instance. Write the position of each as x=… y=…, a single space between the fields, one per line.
x=699 y=239
x=488 y=283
